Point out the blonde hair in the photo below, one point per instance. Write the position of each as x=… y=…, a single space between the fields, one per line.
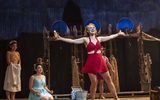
x=86 y=33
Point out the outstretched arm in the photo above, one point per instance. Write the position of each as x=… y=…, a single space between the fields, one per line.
x=149 y=37
x=106 y=38
x=74 y=41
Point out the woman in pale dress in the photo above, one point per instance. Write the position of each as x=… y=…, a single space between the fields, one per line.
x=37 y=85
x=12 y=82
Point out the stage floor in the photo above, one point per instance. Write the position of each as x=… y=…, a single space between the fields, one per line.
x=121 y=98
x=128 y=98
x=132 y=95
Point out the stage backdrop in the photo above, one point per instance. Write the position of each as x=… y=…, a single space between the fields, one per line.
x=30 y=46
x=61 y=69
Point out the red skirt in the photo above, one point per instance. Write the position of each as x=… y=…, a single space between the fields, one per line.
x=95 y=64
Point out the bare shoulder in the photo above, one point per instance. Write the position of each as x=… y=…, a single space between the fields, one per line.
x=99 y=38
x=43 y=76
x=17 y=52
x=85 y=40
x=8 y=52
x=32 y=77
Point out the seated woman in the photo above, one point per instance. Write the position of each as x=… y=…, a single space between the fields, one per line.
x=37 y=85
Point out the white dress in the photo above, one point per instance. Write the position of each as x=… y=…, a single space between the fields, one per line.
x=12 y=82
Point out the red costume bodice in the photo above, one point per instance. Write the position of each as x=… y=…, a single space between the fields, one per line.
x=91 y=46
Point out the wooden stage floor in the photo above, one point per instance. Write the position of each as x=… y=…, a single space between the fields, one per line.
x=121 y=98
x=133 y=95
x=128 y=98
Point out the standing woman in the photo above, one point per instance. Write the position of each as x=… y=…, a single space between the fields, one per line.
x=95 y=64
x=12 y=82
x=37 y=85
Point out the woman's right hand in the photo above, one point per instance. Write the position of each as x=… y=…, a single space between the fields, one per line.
x=121 y=33
x=56 y=36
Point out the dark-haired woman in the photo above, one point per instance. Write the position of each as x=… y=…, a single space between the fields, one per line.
x=37 y=85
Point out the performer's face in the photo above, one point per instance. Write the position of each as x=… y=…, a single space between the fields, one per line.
x=91 y=29
x=39 y=69
x=13 y=47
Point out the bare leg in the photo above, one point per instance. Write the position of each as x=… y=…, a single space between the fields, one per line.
x=13 y=95
x=8 y=95
x=47 y=98
x=101 y=88
x=44 y=98
x=51 y=98
x=110 y=84
x=93 y=86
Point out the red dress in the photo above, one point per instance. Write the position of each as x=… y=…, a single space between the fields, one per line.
x=95 y=62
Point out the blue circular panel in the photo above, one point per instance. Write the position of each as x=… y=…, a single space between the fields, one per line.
x=125 y=24
x=61 y=27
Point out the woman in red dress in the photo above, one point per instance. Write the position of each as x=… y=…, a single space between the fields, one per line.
x=95 y=64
